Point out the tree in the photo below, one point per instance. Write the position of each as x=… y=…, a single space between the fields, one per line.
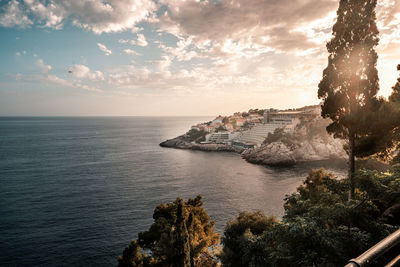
x=395 y=96
x=350 y=81
x=239 y=236
x=314 y=229
x=182 y=234
x=181 y=238
x=132 y=257
x=220 y=129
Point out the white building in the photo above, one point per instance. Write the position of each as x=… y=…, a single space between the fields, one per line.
x=257 y=134
x=217 y=121
x=221 y=137
x=282 y=117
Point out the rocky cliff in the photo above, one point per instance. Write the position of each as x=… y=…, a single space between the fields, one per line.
x=281 y=154
x=309 y=142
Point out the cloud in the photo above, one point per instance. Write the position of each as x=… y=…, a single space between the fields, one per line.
x=50 y=79
x=50 y=15
x=95 y=16
x=43 y=67
x=140 y=41
x=82 y=71
x=13 y=15
x=228 y=48
x=104 y=48
x=46 y=78
x=131 y=52
x=249 y=23
x=19 y=53
x=110 y=16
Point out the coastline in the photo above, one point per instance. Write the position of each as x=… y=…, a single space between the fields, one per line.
x=275 y=155
x=181 y=144
x=278 y=158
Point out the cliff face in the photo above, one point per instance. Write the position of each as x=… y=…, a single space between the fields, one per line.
x=309 y=142
x=281 y=154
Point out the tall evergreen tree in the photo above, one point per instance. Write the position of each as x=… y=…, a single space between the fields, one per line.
x=395 y=96
x=181 y=238
x=181 y=230
x=350 y=81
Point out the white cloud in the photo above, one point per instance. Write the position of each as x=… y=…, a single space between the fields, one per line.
x=110 y=16
x=104 y=48
x=82 y=71
x=229 y=47
x=13 y=15
x=131 y=52
x=141 y=40
x=20 y=53
x=95 y=16
x=43 y=67
x=46 y=78
x=50 y=15
x=53 y=79
x=250 y=24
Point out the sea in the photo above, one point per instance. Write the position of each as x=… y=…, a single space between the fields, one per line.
x=74 y=191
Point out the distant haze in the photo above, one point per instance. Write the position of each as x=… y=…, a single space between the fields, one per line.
x=166 y=58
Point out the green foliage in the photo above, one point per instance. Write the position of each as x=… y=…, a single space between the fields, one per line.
x=320 y=226
x=181 y=238
x=240 y=235
x=395 y=96
x=350 y=81
x=279 y=135
x=220 y=129
x=194 y=136
x=306 y=130
x=132 y=257
x=246 y=125
x=276 y=136
x=181 y=232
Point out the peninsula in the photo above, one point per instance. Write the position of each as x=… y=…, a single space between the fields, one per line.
x=266 y=136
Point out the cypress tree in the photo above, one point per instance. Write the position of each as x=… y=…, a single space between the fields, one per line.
x=395 y=96
x=181 y=239
x=350 y=81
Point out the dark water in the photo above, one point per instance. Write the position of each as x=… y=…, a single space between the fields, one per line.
x=75 y=191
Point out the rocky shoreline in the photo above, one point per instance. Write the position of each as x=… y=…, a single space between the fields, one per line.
x=280 y=154
x=274 y=154
x=307 y=142
x=181 y=144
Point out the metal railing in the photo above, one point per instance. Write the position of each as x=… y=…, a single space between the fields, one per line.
x=378 y=250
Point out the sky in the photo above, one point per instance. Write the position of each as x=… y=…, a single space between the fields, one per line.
x=171 y=57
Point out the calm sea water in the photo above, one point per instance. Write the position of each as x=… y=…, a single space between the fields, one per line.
x=75 y=191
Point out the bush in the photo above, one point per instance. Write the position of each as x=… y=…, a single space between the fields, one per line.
x=181 y=230
x=194 y=136
x=320 y=226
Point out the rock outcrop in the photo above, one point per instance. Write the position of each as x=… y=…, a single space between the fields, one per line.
x=308 y=142
x=181 y=144
x=281 y=154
